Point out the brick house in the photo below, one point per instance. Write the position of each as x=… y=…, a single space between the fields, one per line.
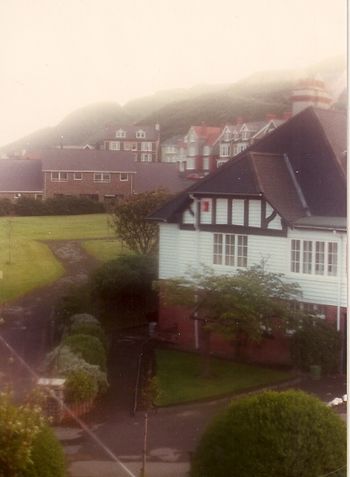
x=142 y=141
x=283 y=200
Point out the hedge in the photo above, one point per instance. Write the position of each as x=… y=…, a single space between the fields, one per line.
x=87 y=347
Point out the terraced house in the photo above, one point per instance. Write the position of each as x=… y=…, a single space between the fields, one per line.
x=283 y=201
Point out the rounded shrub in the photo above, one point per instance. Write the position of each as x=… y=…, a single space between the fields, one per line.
x=272 y=434
x=84 y=319
x=89 y=329
x=80 y=386
x=87 y=347
x=316 y=343
x=47 y=457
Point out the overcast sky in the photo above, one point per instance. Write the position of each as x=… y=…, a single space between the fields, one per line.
x=58 y=55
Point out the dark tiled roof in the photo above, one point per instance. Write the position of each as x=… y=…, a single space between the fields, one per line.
x=209 y=133
x=20 y=175
x=311 y=140
x=86 y=160
x=156 y=175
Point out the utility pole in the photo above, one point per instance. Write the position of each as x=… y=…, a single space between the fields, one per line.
x=144 y=450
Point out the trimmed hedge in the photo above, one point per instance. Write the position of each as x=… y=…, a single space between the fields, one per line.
x=316 y=343
x=289 y=434
x=80 y=386
x=90 y=329
x=87 y=347
x=28 y=206
x=47 y=456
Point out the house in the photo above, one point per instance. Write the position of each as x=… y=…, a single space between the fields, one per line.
x=142 y=141
x=201 y=157
x=283 y=201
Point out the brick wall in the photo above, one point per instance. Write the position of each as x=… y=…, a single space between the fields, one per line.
x=88 y=186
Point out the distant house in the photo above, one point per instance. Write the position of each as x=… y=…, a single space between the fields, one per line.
x=201 y=156
x=283 y=201
x=142 y=141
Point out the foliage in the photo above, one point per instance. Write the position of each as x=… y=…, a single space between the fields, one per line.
x=83 y=319
x=316 y=342
x=75 y=303
x=28 y=206
x=62 y=361
x=80 y=386
x=19 y=427
x=89 y=329
x=250 y=303
x=181 y=380
x=105 y=250
x=289 y=434
x=47 y=456
x=151 y=392
x=130 y=225
x=87 y=347
x=6 y=207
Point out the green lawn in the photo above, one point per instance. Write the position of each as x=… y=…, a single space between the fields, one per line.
x=31 y=262
x=180 y=379
x=105 y=250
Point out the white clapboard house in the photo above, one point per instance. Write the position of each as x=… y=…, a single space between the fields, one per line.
x=282 y=200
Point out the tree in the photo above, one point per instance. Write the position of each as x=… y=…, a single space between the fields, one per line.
x=274 y=434
x=129 y=221
x=244 y=306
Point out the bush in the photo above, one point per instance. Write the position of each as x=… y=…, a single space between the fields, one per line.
x=62 y=361
x=316 y=343
x=6 y=207
x=84 y=319
x=80 y=386
x=76 y=302
x=289 y=434
x=87 y=347
x=90 y=329
x=47 y=456
x=66 y=205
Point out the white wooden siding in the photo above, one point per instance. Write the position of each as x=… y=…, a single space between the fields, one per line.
x=221 y=211
x=254 y=213
x=181 y=249
x=187 y=217
x=238 y=212
x=276 y=223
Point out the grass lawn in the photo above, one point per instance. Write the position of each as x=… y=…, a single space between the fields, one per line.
x=32 y=264
x=180 y=379
x=105 y=250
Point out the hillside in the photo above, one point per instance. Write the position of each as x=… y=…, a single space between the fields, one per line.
x=252 y=98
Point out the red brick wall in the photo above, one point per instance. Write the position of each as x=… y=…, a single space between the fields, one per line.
x=12 y=195
x=88 y=186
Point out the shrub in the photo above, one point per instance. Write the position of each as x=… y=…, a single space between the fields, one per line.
x=87 y=347
x=84 y=319
x=316 y=343
x=80 y=386
x=62 y=361
x=6 y=207
x=289 y=434
x=77 y=301
x=47 y=456
x=65 y=205
x=91 y=329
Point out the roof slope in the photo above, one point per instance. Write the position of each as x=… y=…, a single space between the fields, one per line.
x=311 y=140
x=20 y=175
x=155 y=175
x=86 y=160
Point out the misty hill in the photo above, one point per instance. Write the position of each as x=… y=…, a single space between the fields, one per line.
x=252 y=98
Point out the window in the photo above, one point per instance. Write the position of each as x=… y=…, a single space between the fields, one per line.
x=78 y=176
x=140 y=134
x=124 y=176
x=146 y=157
x=146 y=146
x=319 y=258
x=227 y=135
x=59 y=176
x=114 y=145
x=230 y=248
x=134 y=146
x=224 y=150
x=120 y=133
x=245 y=135
x=102 y=177
x=127 y=146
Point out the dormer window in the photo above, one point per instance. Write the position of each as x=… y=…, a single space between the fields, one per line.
x=140 y=134
x=236 y=135
x=227 y=135
x=245 y=135
x=120 y=133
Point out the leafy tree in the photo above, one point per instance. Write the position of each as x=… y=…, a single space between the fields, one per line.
x=244 y=306
x=129 y=221
x=273 y=434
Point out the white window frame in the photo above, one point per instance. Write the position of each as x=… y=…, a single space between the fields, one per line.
x=123 y=176
x=102 y=177
x=147 y=146
x=224 y=149
x=78 y=176
x=114 y=145
x=146 y=157
x=230 y=250
x=140 y=134
x=61 y=176
x=318 y=258
x=120 y=133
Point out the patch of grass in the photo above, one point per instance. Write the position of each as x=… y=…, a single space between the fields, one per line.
x=105 y=250
x=31 y=263
x=180 y=378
